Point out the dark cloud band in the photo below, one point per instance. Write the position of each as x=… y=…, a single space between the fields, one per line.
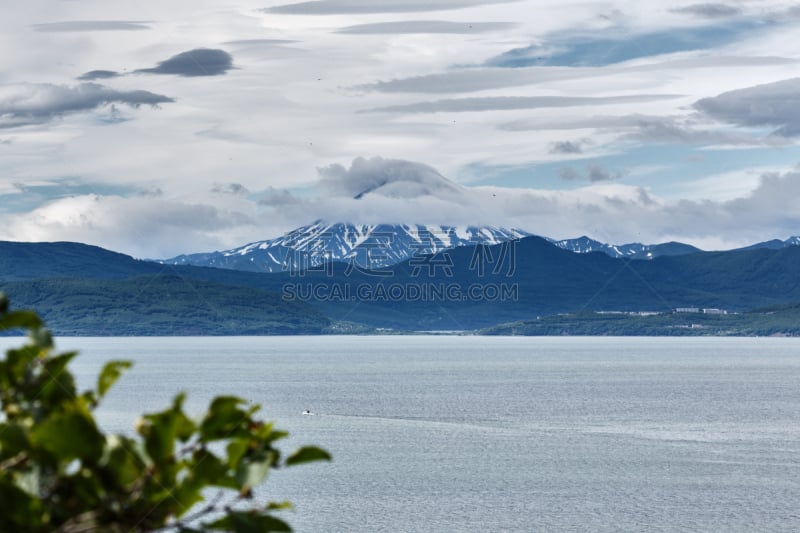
x=773 y=104
x=508 y=103
x=197 y=62
x=709 y=10
x=36 y=103
x=346 y=7
x=98 y=75
x=425 y=26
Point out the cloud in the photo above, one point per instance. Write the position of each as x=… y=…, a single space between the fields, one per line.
x=294 y=107
x=98 y=75
x=25 y=194
x=709 y=10
x=390 y=178
x=92 y=25
x=351 y=7
x=670 y=130
x=260 y=42
x=506 y=103
x=642 y=129
x=600 y=206
x=773 y=104
x=197 y=62
x=425 y=26
x=151 y=192
x=568 y=147
x=597 y=50
x=236 y=189
x=483 y=79
x=403 y=192
x=273 y=197
x=578 y=123
x=36 y=103
x=593 y=174
x=161 y=226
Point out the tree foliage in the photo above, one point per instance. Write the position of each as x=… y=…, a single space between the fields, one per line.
x=60 y=472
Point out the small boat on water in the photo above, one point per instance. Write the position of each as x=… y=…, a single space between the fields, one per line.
x=307 y=412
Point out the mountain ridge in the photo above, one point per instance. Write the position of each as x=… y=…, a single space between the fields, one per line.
x=381 y=245
x=542 y=279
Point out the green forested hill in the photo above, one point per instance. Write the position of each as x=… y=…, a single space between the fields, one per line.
x=783 y=321
x=106 y=289
x=26 y=260
x=161 y=305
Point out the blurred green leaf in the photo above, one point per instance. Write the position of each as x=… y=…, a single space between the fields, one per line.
x=184 y=427
x=109 y=375
x=236 y=450
x=71 y=435
x=253 y=471
x=58 y=383
x=279 y=506
x=163 y=429
x=20 y=319
x=19 y=507
x=223 y=419
x=208 y=469
x=13 y=440
x=123 y=461
x=249 y=522
x=307 y=454
x=159 y=436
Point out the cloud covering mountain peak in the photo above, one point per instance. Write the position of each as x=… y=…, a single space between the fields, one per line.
x=391 y=178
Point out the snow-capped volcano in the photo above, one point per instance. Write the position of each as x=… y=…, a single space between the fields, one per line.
x=365 y=245
x=375 y=246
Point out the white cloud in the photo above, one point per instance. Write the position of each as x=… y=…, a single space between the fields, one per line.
x=154 y=226
x=291 y=105
x=389 y=178
x=144 y=226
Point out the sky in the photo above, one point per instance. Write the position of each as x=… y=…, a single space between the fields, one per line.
x=157 y=128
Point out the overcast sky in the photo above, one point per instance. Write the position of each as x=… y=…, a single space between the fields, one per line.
x=163 y=127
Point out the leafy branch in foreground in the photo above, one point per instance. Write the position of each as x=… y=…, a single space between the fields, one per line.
x=60 y=472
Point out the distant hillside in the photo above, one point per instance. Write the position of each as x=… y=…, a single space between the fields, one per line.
x=784 y=321
x=161 y=305
x=464 y=288
x=28 y=260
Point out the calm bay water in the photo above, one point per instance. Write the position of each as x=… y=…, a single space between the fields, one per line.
x=449 y=434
